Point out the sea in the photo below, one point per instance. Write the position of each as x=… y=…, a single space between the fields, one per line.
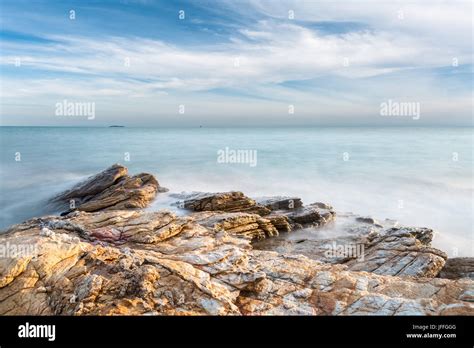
x=419 y=176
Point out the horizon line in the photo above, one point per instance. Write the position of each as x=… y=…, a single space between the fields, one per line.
x=249 y=126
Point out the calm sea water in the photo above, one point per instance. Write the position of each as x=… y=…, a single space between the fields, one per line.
x=419 y=176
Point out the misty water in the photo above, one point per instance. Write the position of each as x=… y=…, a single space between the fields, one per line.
x=419 y=176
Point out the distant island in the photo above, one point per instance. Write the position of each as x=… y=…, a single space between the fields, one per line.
x=115 y=126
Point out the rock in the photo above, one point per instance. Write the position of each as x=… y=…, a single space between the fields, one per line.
x=110 y=189
x=397 y=251
x=403 y=252
x=324 y=250
x=251 y=226
x=310 y=216
x=102 y=260
x=297 y=286
x=458 y=267
x=280 y=203
x=285 y=213
x=368 y=220
x=322 y=205
x=95 y=184
x=281 y=222
x=288 y=213
x=234 y=201
x=119 y=262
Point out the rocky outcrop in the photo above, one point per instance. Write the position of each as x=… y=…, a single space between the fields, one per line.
x=285 y=213
x=368 y=220
x=233 y=201
x=281 y=222
x=288 y=213
x=112 y=188
x=397 y=251
x=251 y=226
x=134 y=262
x=458 y=267
x=402 y=252
x=226 y=257
x=280 y=203
x=311 y=216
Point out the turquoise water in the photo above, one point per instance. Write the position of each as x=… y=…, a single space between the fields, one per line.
x=419 y=176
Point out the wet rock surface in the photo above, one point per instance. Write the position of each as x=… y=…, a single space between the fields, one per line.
x=227 y=254
x=135 y=262
x=112 y=188
x=234 y=201
x=281 y=203
x=311 y=216
x=286 y=213
x=400 y=251
x=251 y=226
x=458 y=267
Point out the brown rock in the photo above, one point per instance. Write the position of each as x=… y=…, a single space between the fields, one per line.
x=133 y=263
x=310 y=216
x=368 y=220
x=457 y=268
x=281 y=203
x=252 y=226
x=281 y=222
x=285 y=213
x=234 y=201
x=402 y=251
x=110 y=189
x=322 y=205
x=398 y=251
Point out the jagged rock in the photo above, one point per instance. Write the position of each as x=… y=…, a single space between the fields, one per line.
x=368 y=220
x=133 y=262
x=322 y=205
x=288 y=213
x=280 y=203
x=458 y=267
x=333 y=251
x=310 y=216
x=400 y=251
x=252 y=226
x=136 y=262
x=110 y=189
x=285 y=213
x=295 y=285
x=234 y=201
x=281 y=222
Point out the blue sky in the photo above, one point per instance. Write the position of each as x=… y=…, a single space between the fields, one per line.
x=236 y=63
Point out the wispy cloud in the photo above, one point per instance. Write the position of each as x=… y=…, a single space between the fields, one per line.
x=267 y=59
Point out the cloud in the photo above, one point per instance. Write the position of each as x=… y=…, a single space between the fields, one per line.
x=446 y=21
x=273 y=59
x=273 y=53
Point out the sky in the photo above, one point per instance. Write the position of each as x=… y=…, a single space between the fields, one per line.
x=236 y=63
